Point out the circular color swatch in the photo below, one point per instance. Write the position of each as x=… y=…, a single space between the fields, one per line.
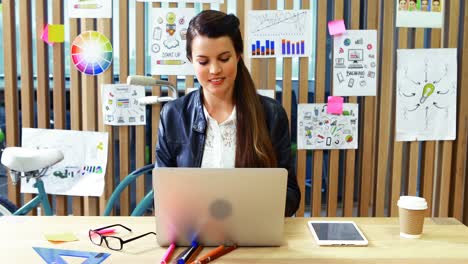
x=91 y=53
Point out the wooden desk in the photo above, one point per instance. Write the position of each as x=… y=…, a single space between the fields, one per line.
x=445 y=240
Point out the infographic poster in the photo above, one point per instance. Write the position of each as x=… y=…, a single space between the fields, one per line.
x=167 y=40
x=426 y=94
x=120 y=105
x=81 y=172
x=355 y=63
x=279 y=33
x=317 y=129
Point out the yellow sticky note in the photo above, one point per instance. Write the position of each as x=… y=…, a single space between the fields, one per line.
x=64 y=237
x=56 y=33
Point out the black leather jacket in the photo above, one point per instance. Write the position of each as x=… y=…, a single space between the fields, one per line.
x=182 y=130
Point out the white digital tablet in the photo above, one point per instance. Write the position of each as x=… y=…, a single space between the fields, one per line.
x=337 y=233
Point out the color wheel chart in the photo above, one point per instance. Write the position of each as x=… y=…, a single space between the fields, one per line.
x=279 y=33
x=91 y=53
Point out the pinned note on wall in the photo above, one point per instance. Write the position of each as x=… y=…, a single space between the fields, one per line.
x=53 y=33
x=335 y=105
x=45 y=35
x=57 y=33
x=336 y=27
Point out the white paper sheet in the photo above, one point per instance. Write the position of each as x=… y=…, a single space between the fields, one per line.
x=420 y=13
x=355 y=63
x=89 y=8
x=426 y=94
x=279 y=33
x=81 y=172
x=316 y=129
x=167 y=41
x=120 y=106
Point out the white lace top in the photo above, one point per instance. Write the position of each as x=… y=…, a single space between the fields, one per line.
x=220 y=142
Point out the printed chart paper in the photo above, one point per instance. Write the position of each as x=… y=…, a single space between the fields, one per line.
x=89 y=8
x=167 y=39
x=120 y=105
x=316 y=129
x=279 y=33
x=419 y=13
x=81 y=172
x=426 y=94
x=355 y=63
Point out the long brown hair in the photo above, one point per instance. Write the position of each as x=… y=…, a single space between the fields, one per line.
x=254 y=147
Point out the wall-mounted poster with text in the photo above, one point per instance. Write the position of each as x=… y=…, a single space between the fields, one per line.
x=355 y=63
x=167 y=40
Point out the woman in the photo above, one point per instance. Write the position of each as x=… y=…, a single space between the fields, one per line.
x=225 y=123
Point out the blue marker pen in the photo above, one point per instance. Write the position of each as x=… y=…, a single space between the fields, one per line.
x=190 y=253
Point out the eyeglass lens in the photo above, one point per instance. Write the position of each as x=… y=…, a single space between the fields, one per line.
x=111 y=242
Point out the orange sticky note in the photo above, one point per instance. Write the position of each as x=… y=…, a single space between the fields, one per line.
x=56 y=33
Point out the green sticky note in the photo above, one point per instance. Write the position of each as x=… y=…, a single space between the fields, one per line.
x=56 y=33
x=61 y=237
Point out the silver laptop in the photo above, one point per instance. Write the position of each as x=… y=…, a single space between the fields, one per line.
x=243 y=206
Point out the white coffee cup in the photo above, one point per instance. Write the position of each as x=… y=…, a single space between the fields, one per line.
x=412 y=210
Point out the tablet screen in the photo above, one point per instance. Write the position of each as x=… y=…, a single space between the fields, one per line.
x=337 y=231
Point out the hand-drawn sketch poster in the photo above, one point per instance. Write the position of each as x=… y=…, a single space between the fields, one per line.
x=426 y=96
x=120 y=105
x=355 y=63
x=81 y=172
x=317 y=129
x=166 y=40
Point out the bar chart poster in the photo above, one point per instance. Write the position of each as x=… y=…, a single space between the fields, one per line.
x=167 y=39
x=355 y=63
x=279 y=33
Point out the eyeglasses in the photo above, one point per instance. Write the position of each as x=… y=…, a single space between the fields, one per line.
x=112 y=242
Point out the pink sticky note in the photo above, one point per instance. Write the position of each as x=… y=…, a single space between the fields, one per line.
x=336 y=27
x=335 y=105
x=45 y=35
